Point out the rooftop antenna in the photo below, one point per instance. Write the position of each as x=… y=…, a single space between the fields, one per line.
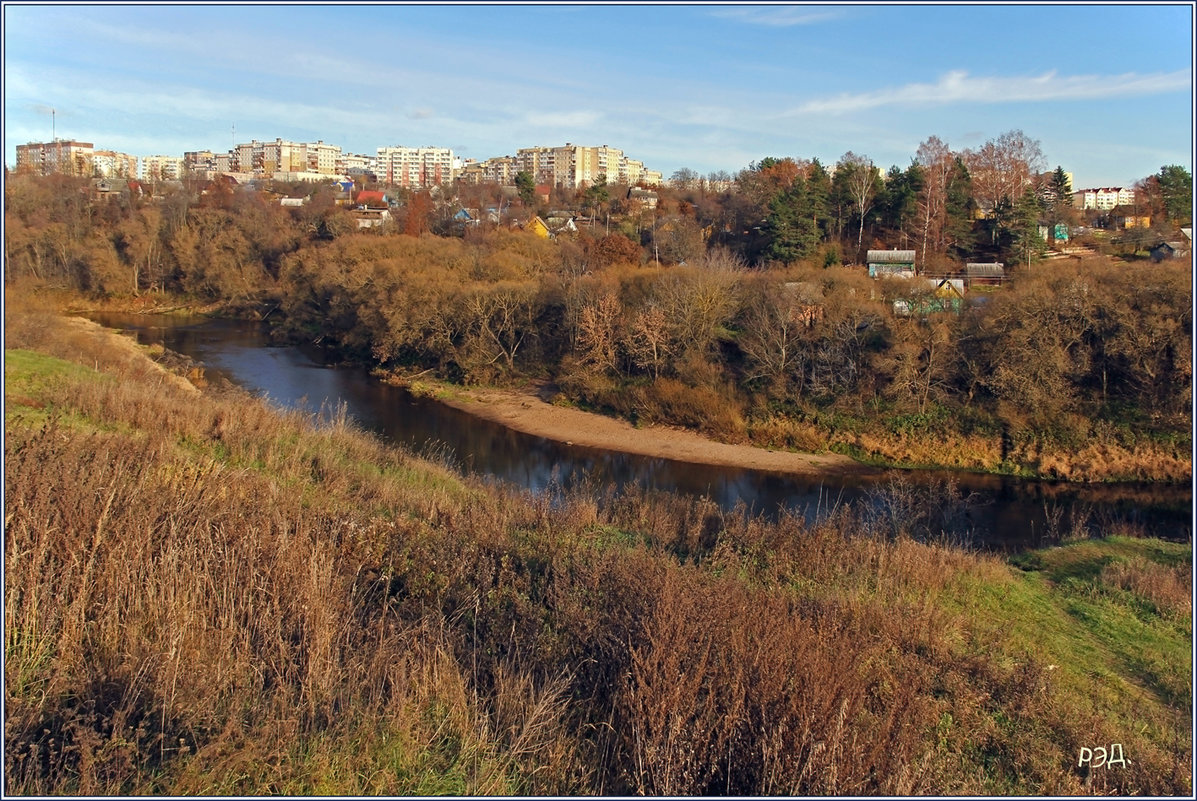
x=53 y=128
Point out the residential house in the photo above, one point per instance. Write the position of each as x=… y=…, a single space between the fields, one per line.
x=984 y=273
x=1126 y=221
x=370 y=218
x=538 y=227
x=646 y=197
x=561 y=224
x=374 y=199
x=343 y=193
x=947 y=295
x=1171 y=249
x=891 y=262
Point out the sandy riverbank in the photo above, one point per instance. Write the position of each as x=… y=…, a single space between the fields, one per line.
x=526 y=411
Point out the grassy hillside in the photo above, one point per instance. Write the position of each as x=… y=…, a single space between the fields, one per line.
x=205 y=596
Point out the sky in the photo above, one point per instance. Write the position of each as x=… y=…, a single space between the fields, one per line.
x=1106 y=89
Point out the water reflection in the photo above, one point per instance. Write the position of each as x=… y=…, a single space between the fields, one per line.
x=1004 y=512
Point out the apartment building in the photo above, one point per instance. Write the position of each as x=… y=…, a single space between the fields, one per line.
x=162 y=168
x=1104 y=198
x=415 y=167
x=111 y=164
x=60 y=156
x=572 y=166
x=284 y=160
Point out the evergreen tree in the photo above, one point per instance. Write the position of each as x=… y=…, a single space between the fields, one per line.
x=1061 y=191
x=959 y=207
x=818 y=197
x=898 y=201
x=1020 y=227
x=526 y=186
x=1176 y=187
x=791 y=228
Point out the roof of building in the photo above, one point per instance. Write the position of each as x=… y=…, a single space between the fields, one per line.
x=367 y=196
x=891 y=257
x=982 y=269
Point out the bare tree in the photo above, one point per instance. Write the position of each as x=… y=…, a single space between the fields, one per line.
x=862 y=182
x=647 y=340
x=1001 y=169
x=598 y=332
x=935 y=157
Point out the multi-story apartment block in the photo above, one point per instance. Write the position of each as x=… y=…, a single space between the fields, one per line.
x=501 y=170
x=632 y=172
x=110 y=164
x=60 y=156
x=201 y=163
x=571 y=166
x=1104 y=198
x=284 y=160
x=415 y=167
x=323 y=158
x=163 y=168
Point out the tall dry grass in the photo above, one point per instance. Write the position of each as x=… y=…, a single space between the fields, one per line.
x=206 y=596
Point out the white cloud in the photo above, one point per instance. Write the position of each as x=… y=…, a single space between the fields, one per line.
x=959 y=87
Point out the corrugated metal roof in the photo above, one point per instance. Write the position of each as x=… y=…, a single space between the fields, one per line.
x=891 y=257
x=995 y=269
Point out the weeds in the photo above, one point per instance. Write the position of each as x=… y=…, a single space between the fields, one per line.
x=207 y=596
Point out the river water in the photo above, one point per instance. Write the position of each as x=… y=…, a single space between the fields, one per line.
x=1000 y=512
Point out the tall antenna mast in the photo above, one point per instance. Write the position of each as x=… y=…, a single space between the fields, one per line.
x=53 y=129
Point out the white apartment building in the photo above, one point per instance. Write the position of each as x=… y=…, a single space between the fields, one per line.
x=162 y=168
x=1104 y=198
x=415 y=167
x=111 y=164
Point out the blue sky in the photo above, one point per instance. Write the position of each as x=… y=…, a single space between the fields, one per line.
x=1107 y=90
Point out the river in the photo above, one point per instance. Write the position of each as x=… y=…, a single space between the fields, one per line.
x=1000 y=512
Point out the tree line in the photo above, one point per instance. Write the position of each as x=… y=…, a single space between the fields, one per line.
x=701 y=335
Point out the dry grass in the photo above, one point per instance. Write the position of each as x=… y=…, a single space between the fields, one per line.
x=204 y=596
x=1168 y=588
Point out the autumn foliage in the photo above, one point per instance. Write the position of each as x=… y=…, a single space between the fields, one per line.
x=1076 y=368
x=204 y=596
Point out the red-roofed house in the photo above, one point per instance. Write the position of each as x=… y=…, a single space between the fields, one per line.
x=372 y=199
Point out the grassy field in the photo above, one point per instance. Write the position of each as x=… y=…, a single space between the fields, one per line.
x=206 y=596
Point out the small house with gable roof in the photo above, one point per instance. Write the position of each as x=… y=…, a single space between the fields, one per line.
x=891 y=262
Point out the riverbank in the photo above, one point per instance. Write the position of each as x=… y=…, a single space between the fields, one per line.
x=254 y=604
x=526 y=411
x=1082 y=452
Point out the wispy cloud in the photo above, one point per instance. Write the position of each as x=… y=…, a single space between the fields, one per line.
x=960 y=87
x=777 y=16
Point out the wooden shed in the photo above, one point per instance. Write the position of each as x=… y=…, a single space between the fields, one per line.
x=891 y=262
x=985 y=272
